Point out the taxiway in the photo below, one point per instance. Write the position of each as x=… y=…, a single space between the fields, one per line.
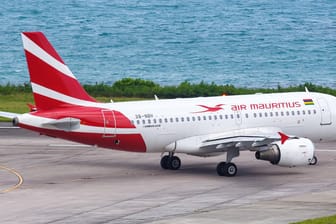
x=65 y=182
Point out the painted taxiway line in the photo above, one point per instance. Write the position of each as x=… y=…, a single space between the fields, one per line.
x=69 y=145
x=325 y=150
x=9 y=127
x=19 y=176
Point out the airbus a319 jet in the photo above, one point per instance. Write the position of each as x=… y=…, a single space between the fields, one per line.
x=279 y=128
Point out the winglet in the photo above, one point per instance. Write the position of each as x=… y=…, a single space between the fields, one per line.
x=283 y=137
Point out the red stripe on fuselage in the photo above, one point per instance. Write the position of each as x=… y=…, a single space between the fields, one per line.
x=56 y=80
x=39 y=39
x=91 y=116
x=123 y=142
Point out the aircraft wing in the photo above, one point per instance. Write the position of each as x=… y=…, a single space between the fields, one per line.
x=254 y=139
x=8 y=114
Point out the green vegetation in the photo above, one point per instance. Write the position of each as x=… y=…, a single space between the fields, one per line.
x=146 y=89
x=14 y=98
x=323 y=220
x=139 y=88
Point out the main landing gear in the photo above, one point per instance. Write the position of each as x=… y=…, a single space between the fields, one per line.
x=170 y=162
x=226 y=169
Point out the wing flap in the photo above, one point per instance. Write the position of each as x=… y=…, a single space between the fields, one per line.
x=254 y=139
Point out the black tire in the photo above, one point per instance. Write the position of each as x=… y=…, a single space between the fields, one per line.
x=226 y=169
x=231 y=170
x=164 y=162
x=221 y=169
x=174 y=163
x=313 y=161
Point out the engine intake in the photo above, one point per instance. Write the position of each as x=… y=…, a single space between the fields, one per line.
x=294 y=152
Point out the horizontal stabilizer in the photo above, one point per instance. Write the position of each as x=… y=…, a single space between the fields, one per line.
x=65 y=124
x=8 y=115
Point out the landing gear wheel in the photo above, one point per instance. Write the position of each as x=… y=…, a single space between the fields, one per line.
x=174 y=163
x=221 y=169
x=170 y=163
x=164 y=162
x=226 y=169
x=313 y=161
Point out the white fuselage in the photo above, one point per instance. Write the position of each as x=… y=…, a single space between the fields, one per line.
x=164 y=121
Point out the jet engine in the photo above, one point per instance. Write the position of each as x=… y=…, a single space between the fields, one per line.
x=293 y=152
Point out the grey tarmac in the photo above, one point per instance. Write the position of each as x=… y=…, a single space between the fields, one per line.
x=65 y=182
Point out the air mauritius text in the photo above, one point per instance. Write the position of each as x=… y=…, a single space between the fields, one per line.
x=266 y=106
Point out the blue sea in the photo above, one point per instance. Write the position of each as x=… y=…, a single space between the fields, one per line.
x=250 y=43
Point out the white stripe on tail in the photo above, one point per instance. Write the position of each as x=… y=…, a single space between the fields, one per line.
x=49 y=73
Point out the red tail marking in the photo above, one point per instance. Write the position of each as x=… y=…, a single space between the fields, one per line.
x=283 y=137
x=47 y=76
x=39 y=39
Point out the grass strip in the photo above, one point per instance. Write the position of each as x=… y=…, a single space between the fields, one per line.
x=322 y=220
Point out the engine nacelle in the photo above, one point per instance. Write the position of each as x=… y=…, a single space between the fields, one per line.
x=294 y=152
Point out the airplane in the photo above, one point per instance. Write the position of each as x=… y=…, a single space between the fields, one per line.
x=279 y=128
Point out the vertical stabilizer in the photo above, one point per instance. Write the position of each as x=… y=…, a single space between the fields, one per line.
x=53 y=83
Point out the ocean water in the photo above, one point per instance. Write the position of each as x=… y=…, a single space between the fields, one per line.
x=252 y=43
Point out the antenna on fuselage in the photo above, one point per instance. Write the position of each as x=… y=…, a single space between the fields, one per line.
x=306 y=89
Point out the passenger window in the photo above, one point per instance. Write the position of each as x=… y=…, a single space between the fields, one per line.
x=143 y=121
x=276 y=113
x=198 y=118
x=210 y=117
x=287 y=113
x=182 y=119
x=172 y=120
x=260 y=114
x=298 y=112
x=266 y=114
x=304 y=112
x=221 y=117
x=282 y=113
x=308 y=111
x=215 y=117
x=293 y=113
x=166 y=120
x=193 y=119
x=314 y=111
x=238 y=116
x=204 y=118
x=138 y=122
x=149 y=121
x=226 y=116
x=254 y=114
x=271 y=114
x=154 y=121
x=232 y=117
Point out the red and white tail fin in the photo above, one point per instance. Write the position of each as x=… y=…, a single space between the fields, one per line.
x=53 y=83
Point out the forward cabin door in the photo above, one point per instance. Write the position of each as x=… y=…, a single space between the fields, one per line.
x=110 y=123
x=325 y=112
